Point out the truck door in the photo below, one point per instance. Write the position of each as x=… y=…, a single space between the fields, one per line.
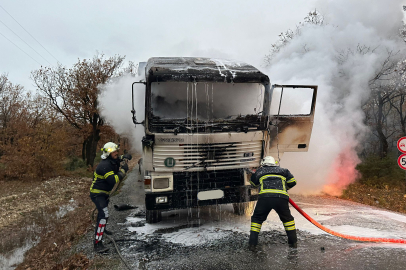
x=291 y=119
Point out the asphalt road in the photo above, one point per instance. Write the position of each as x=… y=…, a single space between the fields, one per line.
x=214 y=238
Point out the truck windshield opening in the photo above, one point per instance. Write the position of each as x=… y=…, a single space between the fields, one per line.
x=206 y=101
x=215 y=105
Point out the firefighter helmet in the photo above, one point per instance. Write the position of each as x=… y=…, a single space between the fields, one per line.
x=109 y=148
x=269 y=161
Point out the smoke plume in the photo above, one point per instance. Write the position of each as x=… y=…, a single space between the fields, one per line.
x=116 y=103
x=341 y=57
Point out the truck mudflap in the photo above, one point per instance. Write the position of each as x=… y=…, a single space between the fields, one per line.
x=189 y=198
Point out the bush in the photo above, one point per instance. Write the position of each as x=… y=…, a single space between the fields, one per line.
x=97 y=159
x=75 y=163
x=379 y=172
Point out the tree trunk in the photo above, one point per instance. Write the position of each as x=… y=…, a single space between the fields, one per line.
x=88 y=151
x=84 y=150
x=92 y=149
x=92 y=141
x=383 y=143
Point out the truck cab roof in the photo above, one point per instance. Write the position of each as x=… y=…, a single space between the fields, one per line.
x=199 y=69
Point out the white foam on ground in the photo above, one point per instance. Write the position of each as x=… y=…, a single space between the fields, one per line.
x=196 y=236
x=15 y=257
x=217 y=222
x=64 y=209
x=391 y=215
x=361 y=231
x=347 y=213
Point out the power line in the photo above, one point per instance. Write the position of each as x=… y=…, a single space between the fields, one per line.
x=24 y=41
x=20 y=49
x=30 y=35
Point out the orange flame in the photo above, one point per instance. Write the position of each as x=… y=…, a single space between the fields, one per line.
x=343 y=172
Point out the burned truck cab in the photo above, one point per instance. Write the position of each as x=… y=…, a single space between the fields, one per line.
x=206 y=120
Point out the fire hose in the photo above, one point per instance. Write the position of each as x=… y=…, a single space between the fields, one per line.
x=351 y=237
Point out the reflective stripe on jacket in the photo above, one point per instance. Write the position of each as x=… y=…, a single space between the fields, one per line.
x=273 y=181
x=107 y=174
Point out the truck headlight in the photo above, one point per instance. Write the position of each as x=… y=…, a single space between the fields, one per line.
x=161 y=199
x=161 y=183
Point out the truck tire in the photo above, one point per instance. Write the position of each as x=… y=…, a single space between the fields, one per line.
x=243 y=208
x=153 y=216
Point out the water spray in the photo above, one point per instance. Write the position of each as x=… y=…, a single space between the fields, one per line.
x=350 y=237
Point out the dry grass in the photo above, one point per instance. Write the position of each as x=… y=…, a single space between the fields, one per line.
x=19 y=199
x=388 y=197
x=31 y=211
x=38 y=209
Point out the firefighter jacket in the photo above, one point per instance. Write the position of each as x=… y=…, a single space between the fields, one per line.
x=273 y=181
x=107 y=174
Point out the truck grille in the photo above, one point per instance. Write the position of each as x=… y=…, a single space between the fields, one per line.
x=199 y=157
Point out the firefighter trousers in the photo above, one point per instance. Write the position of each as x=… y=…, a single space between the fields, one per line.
x=101 y=201
x=262 y=209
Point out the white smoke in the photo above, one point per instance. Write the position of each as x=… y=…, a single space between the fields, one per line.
x=116 y=103
x=321 y=55
x=327 y=56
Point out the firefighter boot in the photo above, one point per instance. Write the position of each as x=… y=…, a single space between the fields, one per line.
x=253 y=242
x=100 y=248
x=292 y=238
x=293 y=245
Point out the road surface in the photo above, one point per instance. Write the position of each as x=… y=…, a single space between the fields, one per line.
x=215 y=238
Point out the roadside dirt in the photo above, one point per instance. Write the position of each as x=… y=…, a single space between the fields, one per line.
x=41 y=214
x=19 y=199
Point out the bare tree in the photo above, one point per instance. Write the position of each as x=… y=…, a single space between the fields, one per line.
x=398 y=102
x=11 y=101
x=313 y=18
x=382 y=95
x=32 y=137
x=74 y=94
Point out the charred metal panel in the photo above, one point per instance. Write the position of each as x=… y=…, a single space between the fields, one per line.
x=294 y=134
x=240 y=124
x=291 y=133
x=194 y=69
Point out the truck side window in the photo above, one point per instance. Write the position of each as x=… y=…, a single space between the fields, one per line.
x=295 y=101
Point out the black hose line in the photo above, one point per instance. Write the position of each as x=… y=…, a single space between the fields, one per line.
x=114 y=242
x=118 y=251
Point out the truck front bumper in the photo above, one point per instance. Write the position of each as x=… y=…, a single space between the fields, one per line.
x=188 y=198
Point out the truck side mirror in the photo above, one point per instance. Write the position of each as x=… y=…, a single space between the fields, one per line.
x=135 y=118
x=133 y=110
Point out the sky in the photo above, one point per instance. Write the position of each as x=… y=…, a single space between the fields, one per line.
x=72 y=30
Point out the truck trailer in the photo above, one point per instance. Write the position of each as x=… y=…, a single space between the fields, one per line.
x=207 y=121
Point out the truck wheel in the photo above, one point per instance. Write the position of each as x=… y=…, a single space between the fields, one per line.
x=243 y=208
x=153 y=216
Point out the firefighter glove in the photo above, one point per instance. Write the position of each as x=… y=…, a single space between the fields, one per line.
x=124 y=167
x=126 y=157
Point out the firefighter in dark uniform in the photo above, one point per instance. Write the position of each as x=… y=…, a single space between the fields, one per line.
x=273 y=182
x=107 y=176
